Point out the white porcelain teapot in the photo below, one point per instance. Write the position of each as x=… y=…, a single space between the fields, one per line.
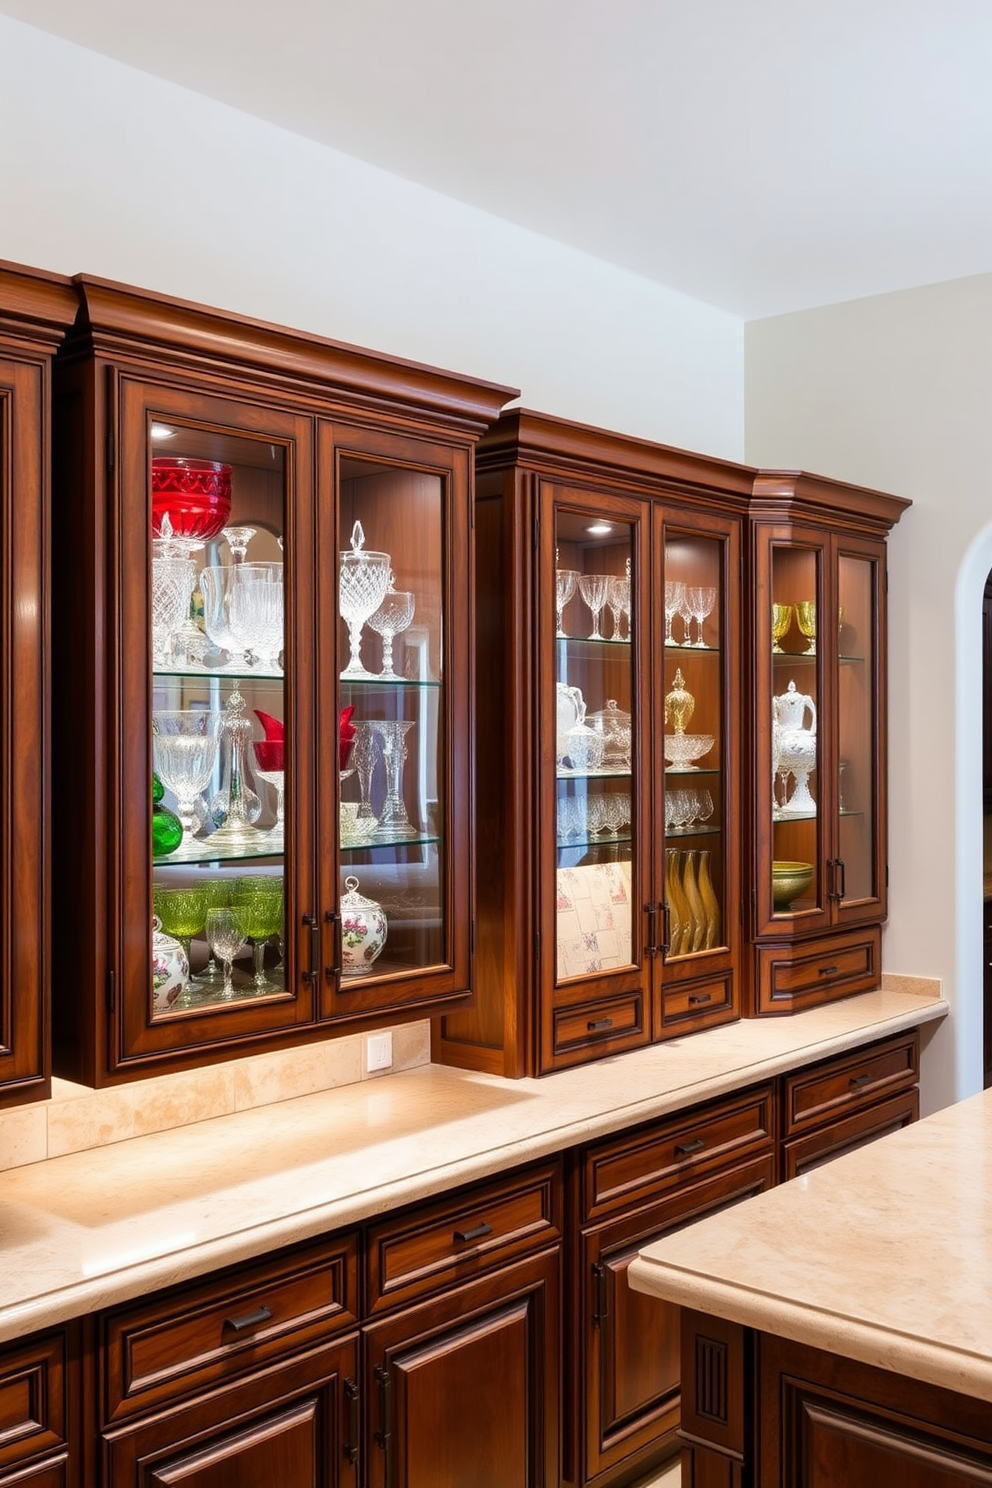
x=794 y=750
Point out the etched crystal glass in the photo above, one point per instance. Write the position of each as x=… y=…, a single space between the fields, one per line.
x=618 y=601
x=701 y=601
x=172 y=587
x=593 y=588
x=184 y=748
x=215 y=587
x=674 y=595
x=238 y=539
x=395 y=820
x=565 y=581
x=394 y=615
x=364 y=578
x=256 y=610
x=259 y=904
x=226 y=935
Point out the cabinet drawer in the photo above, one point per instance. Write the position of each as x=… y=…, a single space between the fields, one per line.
x=836 y=1086
x=190 y=1337
x=816 y=971
x=697 y=1003
x=822 y=1144
x=33 y=1398
x=438 y=1244
x=634 y=1168
x=616 y=1020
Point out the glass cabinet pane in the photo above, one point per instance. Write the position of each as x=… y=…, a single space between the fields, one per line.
x=392 y=726
x=796 y=583
x=218 y=721
x=695 y=608
x=594 y=745
x=856 y=714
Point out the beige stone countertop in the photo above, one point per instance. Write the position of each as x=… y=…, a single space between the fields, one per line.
x=98 y=1227
x=882 y=1256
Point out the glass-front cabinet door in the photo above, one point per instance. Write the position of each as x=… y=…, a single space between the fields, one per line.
x=857 y=881
x=594 y=750
x=394 y=574
x=698 y=699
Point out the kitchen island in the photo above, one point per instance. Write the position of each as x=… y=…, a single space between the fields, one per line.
x=838 y=1329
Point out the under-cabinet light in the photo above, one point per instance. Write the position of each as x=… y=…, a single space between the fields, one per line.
x=162 y=431
x=600 y=529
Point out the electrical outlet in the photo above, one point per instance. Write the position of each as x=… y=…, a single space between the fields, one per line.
x=378 y=1051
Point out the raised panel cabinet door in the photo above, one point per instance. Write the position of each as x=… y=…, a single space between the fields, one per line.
x=467 y=1389
x=295 y=1425
x=630 y=1367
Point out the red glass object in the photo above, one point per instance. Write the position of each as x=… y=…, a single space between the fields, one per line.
x=270 y=754
x=346 y=737
x=196 y=494
x=275 y=729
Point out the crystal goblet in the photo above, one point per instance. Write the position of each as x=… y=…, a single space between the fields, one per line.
x=364 y=757
x=364 y=578
x=270 y=757
x=593 y=588
x=226 y=936
x=216 y=895
x=674 y=595
x=172 y=588
x=238 y=539
x=260 y=905
x=256 y=611
x=215 y=586
x=394 y=615
x=806 y=618
x=618 y=602
x=701 y=601
x=565 y=582
x=184 y=747
x=781 y=620
x=394 y=820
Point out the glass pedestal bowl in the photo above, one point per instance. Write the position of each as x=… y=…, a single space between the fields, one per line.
x=682 y=750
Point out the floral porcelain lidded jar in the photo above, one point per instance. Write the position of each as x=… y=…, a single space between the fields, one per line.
x=170 y=968
x=363 y=930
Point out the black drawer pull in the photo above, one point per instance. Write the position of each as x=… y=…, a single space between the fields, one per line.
x=696 y=998
x=601 y=1305
x=599 y=1023
x=684 y=1148
x=248 y=1320
x=479 y=1233
x=857 y=1081
x=828 y=970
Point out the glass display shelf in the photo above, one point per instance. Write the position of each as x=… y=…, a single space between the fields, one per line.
x=224 y=671
x=697 y=831
x=690 y=648
x=587 y=841
x=564 y=773
x=693 y=771
x=213 y=855
x=793 y=816
x=595 y=644
x=781 y=658
x=389 y=684
x=373 y=844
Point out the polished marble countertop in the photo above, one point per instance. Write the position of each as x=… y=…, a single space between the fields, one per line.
x=883 y=1255
x=93 y=1228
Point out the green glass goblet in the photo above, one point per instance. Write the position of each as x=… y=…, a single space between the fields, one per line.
x=260 y=904
x=183 y=912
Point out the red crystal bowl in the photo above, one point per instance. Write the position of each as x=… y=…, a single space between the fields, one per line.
x=196 y=494
x=270 y=754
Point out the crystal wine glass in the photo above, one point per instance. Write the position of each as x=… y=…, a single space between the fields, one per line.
x=806 y=618
x=674 y=595
x=685 y=615
x=238 y=539
x=593 y=589
x=257 y=610
x=270 y=757
x=781 y=620
x=565 y=581
x=184 y=747
x=394 y=615
x=226 y=936
x=259 y=903
x=394 y=820
x=701 y=600
x=216 y=895
x=618 y=601
x=364 y=578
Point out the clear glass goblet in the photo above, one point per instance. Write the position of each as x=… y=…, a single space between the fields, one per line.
x=701 y=600
x=270 y=757
x=394 y=615
x=172 y=588
x=256 y=612
x=226 y=936
x=184 y=750
x=215 y=586
x=685 y=615
x=394 y=820
x=618 y=601
x=216 y=895
x=593 y=589
x=238 y=539
x=365 y=755
x=364 y=578
x=565 y=581
x=674 y=595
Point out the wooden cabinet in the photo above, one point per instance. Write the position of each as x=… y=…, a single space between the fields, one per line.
x=41 y=1410
x=35 y=310
x=608 y=876
x=235 y=503
x=634 y=1189
x=839 y=1104
x=819 y=871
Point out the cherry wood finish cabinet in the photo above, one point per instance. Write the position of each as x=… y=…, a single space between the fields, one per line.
x=818 y=869
x=35 y=309
x=606 y=918
x=235 y=503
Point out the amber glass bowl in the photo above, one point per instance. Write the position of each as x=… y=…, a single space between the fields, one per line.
x=196 y=494
x=790 y=881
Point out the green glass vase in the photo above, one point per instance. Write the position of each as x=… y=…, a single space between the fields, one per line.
x=167 y=829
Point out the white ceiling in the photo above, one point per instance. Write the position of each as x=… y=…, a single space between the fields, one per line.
x=760 y=155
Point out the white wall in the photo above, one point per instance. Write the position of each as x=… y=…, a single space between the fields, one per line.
x=896 y=392
x=107 y=170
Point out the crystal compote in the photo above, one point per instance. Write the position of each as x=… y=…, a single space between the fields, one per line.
x=394 y=615
x=593 y=588
x=184 y=748
x=364 y=579
x=682 y=750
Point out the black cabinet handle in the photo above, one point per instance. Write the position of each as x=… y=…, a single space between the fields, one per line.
x=310 y=975
x=858 y=1081
x=696 y=998
x=479 y=1233
x=651 y=949
x=684 y=1148
x=597 y=1023
x=601 y=1304
x=842 y=891
x=666 y=943
x=352 y=1396
x=334 y=920
x=248 y=1320
x=828 y=971
x=385 y=1433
